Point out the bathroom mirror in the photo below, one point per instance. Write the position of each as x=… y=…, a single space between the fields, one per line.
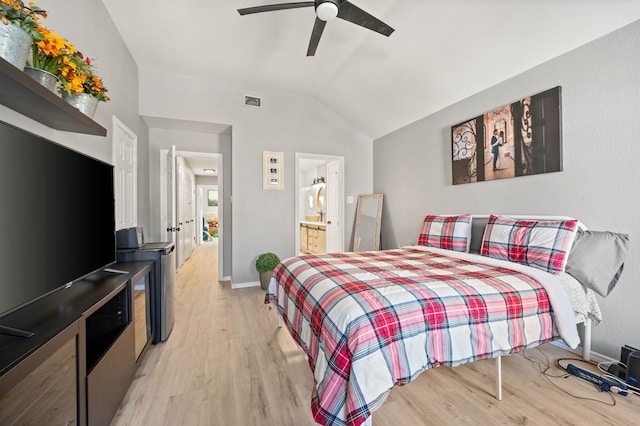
x=366 y=236
x=320 y=197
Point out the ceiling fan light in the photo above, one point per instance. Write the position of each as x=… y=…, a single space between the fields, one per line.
x=327 y=11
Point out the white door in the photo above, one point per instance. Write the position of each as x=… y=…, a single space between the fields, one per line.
x=185 y=211
x=188 y=222
x=334 y=208
x=168 y=201
x=180 y=213
x=125 y=164
x=195 y=226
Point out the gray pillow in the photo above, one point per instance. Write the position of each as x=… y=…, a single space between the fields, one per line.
x=597 y=258
x=477 y=232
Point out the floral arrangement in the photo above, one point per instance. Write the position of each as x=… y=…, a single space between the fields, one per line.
x=52 y=53
x=49 y=52
x=78 y=76
x=26 y=17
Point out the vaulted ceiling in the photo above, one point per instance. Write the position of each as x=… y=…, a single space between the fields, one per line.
x=442 y=51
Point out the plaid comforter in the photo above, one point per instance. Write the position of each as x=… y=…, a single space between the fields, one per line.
x=372 y=320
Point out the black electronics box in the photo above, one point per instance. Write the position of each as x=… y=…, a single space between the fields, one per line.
x=633 y=369
x=129 y=238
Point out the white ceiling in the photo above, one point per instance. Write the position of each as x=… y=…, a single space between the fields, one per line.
x=199 y=164
x=441 y=52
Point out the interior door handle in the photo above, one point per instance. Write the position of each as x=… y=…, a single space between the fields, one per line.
x=328 y=222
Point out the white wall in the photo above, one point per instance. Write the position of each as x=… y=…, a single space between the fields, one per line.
x=599 y=185
x=207 y=180
x=88 y=26
x=262 y=220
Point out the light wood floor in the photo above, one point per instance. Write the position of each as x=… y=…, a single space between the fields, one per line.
x=226 y=363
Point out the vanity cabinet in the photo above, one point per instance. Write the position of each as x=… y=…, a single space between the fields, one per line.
x=313 y=238
x=304 y=235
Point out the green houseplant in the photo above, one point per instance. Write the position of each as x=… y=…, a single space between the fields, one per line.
x=265 y=264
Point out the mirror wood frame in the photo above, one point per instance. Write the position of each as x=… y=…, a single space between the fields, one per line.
x=362 y=198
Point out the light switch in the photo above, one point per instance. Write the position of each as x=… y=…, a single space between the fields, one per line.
x=349 y=199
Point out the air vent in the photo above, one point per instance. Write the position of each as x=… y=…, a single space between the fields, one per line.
x=253 y=101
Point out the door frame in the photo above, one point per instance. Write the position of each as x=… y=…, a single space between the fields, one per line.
x=163 y=200
x=125 y=190
x=341 y=191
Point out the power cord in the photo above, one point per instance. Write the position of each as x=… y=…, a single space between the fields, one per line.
x=544 y=367
x=602 y=367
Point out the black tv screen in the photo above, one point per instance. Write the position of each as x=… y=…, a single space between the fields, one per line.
x=56 y=214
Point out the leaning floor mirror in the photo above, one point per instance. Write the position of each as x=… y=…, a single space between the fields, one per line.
x=366 y=236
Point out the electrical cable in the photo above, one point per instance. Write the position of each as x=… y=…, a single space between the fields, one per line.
x=544 y=370
x=602 y=367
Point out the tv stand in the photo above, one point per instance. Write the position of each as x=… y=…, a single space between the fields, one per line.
x=81 y=358
x=10 y=331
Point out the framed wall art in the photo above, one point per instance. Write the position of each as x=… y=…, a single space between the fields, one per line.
x=212 y=198
x=272 y=170
x=518 y=139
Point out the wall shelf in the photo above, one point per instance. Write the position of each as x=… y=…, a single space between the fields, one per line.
x=21 y=93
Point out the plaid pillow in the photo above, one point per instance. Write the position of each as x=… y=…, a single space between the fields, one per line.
x=446 y=232
x=542 y=244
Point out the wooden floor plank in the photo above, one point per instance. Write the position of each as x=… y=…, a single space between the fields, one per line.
x=227 y=363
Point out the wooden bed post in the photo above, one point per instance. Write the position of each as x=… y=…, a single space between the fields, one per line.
x=499 y=378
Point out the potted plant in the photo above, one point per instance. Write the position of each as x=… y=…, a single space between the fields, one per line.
x=18 y=25
x=82 y=88
x=265 y=264
x=48 y=58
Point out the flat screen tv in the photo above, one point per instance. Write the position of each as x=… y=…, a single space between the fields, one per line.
x=56 y=214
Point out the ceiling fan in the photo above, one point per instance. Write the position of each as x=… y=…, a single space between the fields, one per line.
x=327 y=10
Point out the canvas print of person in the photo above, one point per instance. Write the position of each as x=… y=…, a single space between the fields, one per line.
x=518 y=139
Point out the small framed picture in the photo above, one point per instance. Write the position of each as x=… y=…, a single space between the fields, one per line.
x=272 y=170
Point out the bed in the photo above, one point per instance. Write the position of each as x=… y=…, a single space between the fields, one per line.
x=371 y=320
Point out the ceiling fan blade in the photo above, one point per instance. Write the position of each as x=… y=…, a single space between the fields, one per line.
x=352 y=13
x=318 y=27
x=274 y=7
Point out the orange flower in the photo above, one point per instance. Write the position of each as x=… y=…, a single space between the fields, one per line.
x=25 y=17
x=47 y=53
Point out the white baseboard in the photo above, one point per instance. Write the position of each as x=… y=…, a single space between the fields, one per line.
x=595 y=356
x=224 y=279
x=235 y=286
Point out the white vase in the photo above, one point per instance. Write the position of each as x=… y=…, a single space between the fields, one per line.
x=15 y=45
x=86 y=103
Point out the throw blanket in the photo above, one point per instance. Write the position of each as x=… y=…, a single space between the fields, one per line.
x=372 y=320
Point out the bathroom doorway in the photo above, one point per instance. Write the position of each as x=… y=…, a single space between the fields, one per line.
x=319 y=201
